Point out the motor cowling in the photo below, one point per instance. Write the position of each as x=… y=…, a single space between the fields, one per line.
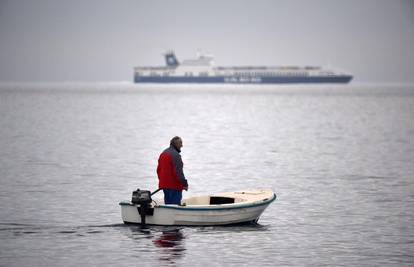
x=141 y=197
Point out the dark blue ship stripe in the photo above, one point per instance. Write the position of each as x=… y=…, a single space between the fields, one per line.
x=240 y=79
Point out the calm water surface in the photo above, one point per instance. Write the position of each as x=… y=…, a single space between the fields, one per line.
x=340 y=159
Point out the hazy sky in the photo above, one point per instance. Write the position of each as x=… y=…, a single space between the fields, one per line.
x=96 y=40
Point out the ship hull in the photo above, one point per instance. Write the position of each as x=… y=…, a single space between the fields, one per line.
x=244 y=80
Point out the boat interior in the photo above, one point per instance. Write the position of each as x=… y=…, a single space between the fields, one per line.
x=210 y=200
x=226 y=198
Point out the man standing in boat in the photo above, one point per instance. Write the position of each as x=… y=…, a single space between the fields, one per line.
x=170 y=172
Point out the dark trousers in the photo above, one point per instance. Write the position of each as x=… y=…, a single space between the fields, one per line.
x=172 y=196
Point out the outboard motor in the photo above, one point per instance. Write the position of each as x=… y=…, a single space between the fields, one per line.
x=143 y=199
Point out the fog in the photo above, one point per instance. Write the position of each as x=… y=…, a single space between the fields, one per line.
x=93 y=40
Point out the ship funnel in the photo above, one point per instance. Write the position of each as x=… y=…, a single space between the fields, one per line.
x=171 y=60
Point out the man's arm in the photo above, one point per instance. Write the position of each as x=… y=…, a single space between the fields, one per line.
x=179 y=171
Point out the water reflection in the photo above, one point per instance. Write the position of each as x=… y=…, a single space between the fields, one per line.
x=164 y=243
x=171 y=244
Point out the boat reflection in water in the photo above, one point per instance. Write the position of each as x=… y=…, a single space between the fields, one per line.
x=171 y=242
x=162 y=244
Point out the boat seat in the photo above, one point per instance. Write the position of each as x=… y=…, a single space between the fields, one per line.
x=221 y=200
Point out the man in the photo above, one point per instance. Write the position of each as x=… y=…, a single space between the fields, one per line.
x=170 y=172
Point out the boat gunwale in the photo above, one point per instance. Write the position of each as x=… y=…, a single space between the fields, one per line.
x=212 y=207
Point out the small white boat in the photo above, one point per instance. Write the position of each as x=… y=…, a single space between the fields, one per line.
x=217 y=209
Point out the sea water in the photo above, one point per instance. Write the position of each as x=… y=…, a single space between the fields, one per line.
x=339 y=157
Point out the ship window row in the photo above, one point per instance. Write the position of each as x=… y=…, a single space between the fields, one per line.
x=153 y=73
x=328 y=73
x=202 y=74
x=267 y=74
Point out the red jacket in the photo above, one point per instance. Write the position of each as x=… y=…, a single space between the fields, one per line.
x=170 y=170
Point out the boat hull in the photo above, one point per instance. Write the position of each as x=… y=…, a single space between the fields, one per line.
x=244 y=80
x=198 y=215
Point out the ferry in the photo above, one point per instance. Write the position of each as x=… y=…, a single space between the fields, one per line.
x=202 y=70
